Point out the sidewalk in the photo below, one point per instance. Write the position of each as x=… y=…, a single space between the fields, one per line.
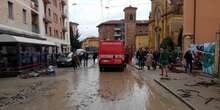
x=197 y=92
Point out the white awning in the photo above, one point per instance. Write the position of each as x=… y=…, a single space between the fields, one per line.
x=4 y=38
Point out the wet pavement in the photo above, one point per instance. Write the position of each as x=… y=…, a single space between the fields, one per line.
x=84 y=89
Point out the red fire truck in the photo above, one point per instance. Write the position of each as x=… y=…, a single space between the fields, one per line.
x=111 y=54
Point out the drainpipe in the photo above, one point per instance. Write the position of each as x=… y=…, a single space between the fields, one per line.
x=194 y=20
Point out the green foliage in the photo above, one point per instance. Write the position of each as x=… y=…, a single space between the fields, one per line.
x=167 y=43
x=75 y=43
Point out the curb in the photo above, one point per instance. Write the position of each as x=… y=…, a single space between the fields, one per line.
x=177 y=96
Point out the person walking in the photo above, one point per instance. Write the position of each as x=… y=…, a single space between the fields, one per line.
x=164 y=61
x=149 y=60
x=94 y=57
x=85 y=59
x=155 y=60
x=188 y=58
x=74 y=64
x=141 y=59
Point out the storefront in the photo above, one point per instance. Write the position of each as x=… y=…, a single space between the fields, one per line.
x=20 y=54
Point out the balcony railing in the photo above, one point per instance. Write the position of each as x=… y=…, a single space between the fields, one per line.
x=34 y=5
x=117 y=34
x=117 y=28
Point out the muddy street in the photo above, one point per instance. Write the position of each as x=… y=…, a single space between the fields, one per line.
x=85 y=89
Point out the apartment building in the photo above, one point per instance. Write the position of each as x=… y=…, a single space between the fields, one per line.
x=32 y=32
x=91 y=44
x=56 y=24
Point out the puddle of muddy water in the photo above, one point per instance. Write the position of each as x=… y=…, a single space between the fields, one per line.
x=91 y=90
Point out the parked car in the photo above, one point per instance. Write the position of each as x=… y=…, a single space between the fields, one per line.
x=64 y=60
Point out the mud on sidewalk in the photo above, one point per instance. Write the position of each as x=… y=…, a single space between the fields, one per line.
x=200 y=92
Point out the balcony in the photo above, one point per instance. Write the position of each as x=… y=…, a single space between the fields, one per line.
x=117 y=28
x=47 y=1
x=34 y=5
x=47 y=19
x=63 y=2
x=64 y=29
x=117 y=35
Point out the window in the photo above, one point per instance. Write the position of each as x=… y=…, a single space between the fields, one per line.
x=131 y=17
x=61 y=35
x=46 y=30
x=55 y=3
x=50 y=31
x=55 y=18
x=10 y=10
x=55 y=33
x=49 y=11
x=24 y=16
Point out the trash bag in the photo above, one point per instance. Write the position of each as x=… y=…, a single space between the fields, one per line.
x=51 y=71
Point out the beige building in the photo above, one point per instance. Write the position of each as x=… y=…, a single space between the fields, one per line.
x=20 y=16
x=56 y=24
x=90 y=44
x=23 y=46
x=31 y=33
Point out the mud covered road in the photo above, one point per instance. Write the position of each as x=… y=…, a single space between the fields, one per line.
x=86 y=89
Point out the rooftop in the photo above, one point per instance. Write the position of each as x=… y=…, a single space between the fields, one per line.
x=115 y=22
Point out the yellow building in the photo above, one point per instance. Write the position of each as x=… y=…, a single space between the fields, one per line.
x=141 y=41
x=90 y=42
x=166 y=19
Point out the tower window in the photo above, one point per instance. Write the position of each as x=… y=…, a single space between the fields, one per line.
x=131 y=17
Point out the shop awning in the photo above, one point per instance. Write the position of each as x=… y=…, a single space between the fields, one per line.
x=4 y=38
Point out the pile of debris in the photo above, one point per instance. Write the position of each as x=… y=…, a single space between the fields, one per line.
x=205 y=83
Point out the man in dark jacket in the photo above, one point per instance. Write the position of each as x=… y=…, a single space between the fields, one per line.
x=188 y=58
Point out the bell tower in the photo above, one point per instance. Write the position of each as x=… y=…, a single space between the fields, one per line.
x=130 y=14
x=130 y=27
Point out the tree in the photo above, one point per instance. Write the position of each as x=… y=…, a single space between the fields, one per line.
x=167 y=43
x=75 y=43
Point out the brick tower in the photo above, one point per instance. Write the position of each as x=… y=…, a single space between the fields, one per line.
x=130 y=27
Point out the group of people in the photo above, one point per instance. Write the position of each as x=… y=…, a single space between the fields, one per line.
x=81 y=59
x=150 y=58
x=163 y=58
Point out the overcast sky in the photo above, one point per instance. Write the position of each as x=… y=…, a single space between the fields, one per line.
x=88 y=13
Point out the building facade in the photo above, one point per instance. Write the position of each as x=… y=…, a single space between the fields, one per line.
x=24 y=41
x=56 y=24
x=166 y=19
x=127 y=29
x=91 y=44
x=202 y=25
